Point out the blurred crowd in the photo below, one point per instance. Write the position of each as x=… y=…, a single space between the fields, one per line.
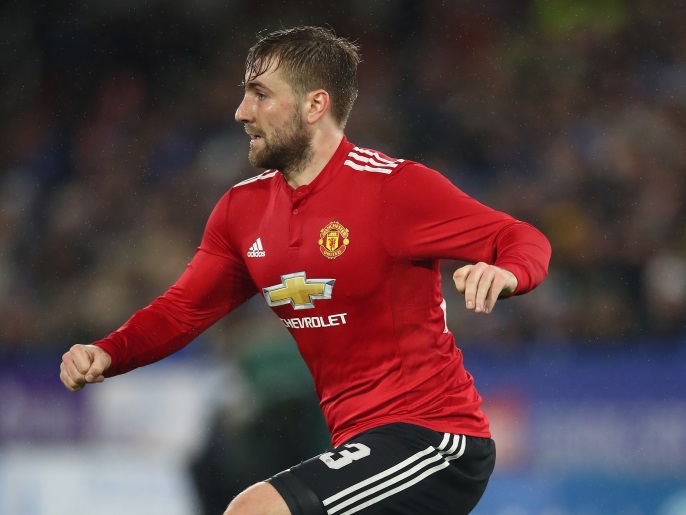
x=117 y=138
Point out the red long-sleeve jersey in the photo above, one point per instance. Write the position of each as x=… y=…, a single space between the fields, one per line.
x=350 y=264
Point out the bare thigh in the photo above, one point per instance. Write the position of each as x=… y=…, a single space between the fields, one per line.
x=259 y=499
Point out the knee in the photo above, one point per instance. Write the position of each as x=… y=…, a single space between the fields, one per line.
x=245 y=503
x=239 y=505
x=259 y=499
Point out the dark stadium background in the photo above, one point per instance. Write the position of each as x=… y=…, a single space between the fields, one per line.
x=117 y=137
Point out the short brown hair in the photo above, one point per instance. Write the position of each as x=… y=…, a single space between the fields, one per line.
x=312 y=58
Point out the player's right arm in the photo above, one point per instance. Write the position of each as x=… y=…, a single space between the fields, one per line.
x=215 y=282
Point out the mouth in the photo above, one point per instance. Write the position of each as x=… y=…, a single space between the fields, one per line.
x=254 y=136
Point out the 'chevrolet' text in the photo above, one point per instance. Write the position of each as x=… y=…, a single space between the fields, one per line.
x=315 y=322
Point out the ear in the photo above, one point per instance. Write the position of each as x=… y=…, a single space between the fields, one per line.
x=317 y=104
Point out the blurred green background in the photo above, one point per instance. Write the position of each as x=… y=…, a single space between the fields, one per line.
x=117 y=138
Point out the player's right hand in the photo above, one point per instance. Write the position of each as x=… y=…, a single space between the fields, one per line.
x=83 y=364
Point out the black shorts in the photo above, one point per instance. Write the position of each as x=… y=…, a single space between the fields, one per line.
x=398 y=469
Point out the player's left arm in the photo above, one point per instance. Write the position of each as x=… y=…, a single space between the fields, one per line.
x=521 y=254
x=506 y=256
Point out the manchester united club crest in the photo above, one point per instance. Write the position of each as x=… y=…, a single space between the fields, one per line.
x=333 y=240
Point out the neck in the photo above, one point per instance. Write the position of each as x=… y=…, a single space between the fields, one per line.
x=323 y=147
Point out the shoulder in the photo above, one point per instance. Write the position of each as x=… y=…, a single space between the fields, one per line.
x=265 y=179
x=362 y=159
x=253 y=187
x=402 y=176
x=235 y=207
x=247 y=191
x=379 y=164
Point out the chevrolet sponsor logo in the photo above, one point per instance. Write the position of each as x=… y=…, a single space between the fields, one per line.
x=315 y=322
x=298 y=290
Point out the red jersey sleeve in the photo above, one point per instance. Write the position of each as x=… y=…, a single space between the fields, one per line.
x=427 y=217
x=214 y=282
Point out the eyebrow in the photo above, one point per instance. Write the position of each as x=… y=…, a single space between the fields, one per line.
x=254 y=84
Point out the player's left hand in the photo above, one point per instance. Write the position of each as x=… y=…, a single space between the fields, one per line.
x=483 y=284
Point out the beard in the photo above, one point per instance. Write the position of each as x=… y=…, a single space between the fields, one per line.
x=288 y=149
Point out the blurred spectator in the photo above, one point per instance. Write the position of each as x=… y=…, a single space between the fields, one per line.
x=118 y=138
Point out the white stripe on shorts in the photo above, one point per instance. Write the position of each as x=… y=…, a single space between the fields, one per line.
x=399 y=477
x=453 y=452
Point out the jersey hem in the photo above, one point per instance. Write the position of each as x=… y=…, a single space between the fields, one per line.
x=457 y=429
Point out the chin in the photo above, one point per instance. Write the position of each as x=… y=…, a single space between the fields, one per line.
x=257 y=161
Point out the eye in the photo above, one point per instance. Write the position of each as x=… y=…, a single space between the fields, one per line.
x=260 y=95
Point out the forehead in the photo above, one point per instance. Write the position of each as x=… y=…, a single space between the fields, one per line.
x=273 y=78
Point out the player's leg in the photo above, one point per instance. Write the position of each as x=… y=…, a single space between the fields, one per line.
x=259 y=499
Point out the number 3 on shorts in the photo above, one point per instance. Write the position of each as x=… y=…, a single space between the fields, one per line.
x=337 y=460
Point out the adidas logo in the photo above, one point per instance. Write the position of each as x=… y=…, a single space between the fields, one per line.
x=256 y=249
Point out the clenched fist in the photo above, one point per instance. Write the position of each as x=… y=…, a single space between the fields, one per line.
x=83 y=364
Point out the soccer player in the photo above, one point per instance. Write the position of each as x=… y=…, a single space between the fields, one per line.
x=344 y=243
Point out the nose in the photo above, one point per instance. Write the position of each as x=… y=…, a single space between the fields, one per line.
x=243 y=112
